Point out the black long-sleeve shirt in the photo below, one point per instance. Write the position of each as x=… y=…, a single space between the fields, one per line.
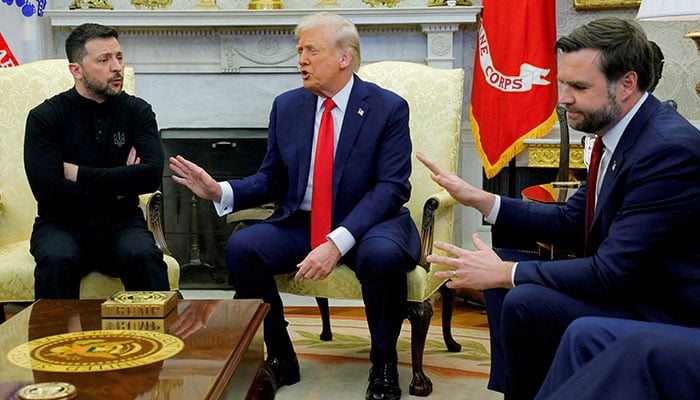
x=97 y=137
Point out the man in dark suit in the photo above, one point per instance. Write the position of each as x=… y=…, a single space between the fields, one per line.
x=642 y=258
x=615 y=358
x=370 y=229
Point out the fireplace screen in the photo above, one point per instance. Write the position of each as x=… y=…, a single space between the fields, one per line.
x=195 y=234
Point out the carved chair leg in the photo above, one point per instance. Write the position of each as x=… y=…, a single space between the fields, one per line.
x=326 y=334
x=447 y=306
x=419 y=314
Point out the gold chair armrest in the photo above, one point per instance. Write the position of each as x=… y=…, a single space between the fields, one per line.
x=150 y=205
x=438 y=202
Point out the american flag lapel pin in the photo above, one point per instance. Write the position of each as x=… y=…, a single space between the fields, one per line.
x=360 y=112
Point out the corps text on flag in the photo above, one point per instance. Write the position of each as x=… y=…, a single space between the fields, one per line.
x=514 y=90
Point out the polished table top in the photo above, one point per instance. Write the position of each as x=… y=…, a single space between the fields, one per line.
x=222 y=348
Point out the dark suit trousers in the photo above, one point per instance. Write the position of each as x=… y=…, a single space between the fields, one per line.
x=257 y=253
x=122 y=247
x=624 y=359
x=526 y=324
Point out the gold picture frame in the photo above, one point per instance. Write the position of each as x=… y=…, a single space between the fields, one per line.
x=580 y=5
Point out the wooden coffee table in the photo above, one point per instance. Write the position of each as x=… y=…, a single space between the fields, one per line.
x=222 y=355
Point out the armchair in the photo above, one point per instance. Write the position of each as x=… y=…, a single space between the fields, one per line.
x=23 y=87
x=435 y=102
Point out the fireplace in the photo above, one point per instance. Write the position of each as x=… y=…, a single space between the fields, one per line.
x=195 y=234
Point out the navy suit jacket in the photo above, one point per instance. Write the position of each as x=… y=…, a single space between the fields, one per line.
x=371 y=167
x=644 y=237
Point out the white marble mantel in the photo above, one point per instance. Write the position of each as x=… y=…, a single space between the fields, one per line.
x=222 y=68
x=438 y=25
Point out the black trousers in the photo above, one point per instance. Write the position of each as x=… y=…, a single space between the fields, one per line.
x=257 y=253
x=67 y=250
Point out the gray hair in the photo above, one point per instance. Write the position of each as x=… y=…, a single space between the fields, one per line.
x=346 y=36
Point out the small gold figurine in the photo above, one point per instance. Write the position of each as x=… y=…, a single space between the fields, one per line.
x=151 y=4
x=85 y=4
x=206 y=5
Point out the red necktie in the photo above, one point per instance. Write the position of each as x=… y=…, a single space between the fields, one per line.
x=596 y=154
x=321 y=196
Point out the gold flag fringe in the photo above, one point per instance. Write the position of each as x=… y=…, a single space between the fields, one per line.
x=514 y=149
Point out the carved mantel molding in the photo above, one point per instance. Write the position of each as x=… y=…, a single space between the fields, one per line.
x=261 y=40
x=258 y=18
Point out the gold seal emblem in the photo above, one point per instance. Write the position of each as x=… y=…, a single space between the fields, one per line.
x=92 y=351
x=142 y=297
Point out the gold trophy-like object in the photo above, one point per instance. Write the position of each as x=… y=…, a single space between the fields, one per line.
x=265 y=5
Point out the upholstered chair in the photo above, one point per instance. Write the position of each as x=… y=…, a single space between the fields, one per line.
x=435 y=103
x=23 y=87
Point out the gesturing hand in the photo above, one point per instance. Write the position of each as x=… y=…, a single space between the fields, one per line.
x=194 y=178
x=478 y=269
x=459 y=189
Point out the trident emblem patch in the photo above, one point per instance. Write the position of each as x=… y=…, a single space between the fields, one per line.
x=119 y=138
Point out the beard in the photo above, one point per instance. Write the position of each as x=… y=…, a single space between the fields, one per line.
x=99 y=89
x=594 y=121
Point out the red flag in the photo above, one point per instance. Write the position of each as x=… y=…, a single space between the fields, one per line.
x=514 y=92
x=7 y=59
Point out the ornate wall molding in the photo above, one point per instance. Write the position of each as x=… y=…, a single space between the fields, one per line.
x=272 y=51
x=225 y=41
x=253 y=18
x=547 y=156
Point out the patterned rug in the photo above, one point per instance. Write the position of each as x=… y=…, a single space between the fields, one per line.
x=339 y=368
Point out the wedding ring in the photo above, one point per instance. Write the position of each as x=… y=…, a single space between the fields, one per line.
x=454 y=273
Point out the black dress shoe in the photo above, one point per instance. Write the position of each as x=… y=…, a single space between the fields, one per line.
x=383 y=383
x=285 y=370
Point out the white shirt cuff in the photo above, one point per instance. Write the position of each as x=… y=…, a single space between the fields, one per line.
x=342 y=238
x=512 y=274
x=226 y=205
x=493 y=214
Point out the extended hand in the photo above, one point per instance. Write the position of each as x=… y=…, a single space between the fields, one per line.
x=319 y=263
x=479 y=269
x=194 y=178
x=458 y=188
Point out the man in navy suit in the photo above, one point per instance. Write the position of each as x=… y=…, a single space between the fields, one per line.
x=642 y=258
x=615 y=358
x=371 y=231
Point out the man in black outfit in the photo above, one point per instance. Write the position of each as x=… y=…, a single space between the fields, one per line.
x=88 y=153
